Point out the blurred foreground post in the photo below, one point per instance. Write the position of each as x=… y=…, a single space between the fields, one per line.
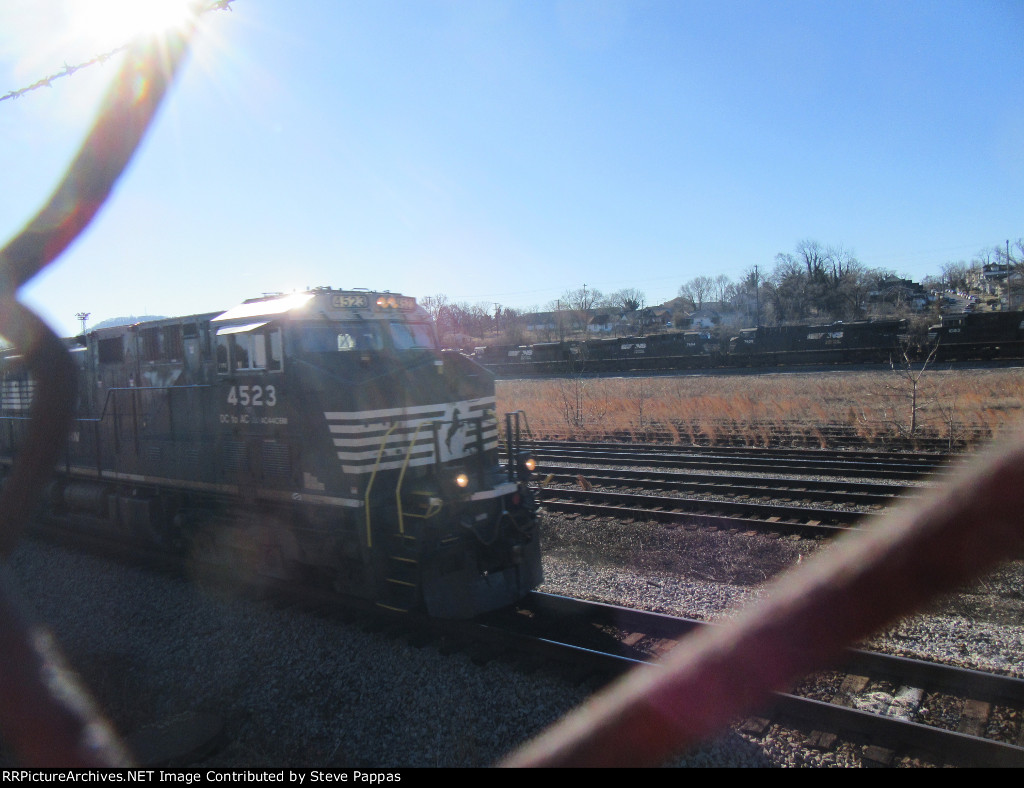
x=45 y=718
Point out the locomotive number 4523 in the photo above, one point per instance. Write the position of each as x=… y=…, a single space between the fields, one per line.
x=252 y=395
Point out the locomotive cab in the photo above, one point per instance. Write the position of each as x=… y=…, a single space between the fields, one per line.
x=401 y=434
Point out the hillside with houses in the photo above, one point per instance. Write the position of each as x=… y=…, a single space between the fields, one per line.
x=813 y=284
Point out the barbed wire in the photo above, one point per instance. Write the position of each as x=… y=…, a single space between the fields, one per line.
x=201 y=8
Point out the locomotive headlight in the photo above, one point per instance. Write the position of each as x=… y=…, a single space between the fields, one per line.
x=462 y=480
x=526 y=465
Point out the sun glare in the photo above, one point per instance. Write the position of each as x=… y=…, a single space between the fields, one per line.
x=111 y=23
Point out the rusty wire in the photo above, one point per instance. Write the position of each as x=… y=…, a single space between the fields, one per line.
x=67 y=71
x=45 y=718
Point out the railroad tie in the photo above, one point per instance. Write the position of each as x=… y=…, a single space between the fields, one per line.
x=974 y=717
x=852 y=685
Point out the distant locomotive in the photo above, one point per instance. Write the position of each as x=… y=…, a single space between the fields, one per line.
x=828 y=343
x=321 y=434
x=967 y=337
x=978 y=335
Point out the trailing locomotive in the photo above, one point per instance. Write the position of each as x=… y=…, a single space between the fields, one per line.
x=847 y=343
x=967 y=337
x=321 y=434
x=978 y=335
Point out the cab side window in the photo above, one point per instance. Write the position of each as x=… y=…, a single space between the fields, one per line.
x=256 y=350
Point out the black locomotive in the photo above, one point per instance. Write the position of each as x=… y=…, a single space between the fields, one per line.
x=967 y=337
x=850 y=342
x=982 y=335
x=321 y=433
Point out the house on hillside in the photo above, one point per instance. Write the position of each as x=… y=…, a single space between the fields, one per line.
x=702 y=318
x=542 y=321
x=658 y=317
x=898 y=292
x=1012 y=297
x=996 y=272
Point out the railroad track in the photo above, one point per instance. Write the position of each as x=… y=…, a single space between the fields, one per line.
x=730 y=487
x=899 y=458
x=801 y=520
x=850 y=701
x=892 y=468
x=597 y=641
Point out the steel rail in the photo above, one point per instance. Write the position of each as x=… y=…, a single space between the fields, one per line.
x=948 y=745
x=766 y=465
x=731 y=486
x=667 y=506
x=936 y=674
x=754 y=452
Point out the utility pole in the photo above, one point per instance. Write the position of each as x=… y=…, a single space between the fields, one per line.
x=585 y=318
x=757 y=299
x=83 y=316
x=1009 y=275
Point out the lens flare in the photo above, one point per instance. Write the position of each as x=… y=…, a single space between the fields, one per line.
x=115 y=22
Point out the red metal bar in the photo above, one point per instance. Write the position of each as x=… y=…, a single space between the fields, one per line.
x=44 y=717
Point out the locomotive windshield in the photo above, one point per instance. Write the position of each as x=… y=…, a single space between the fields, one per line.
x=336 y=337
x=407 y=336
x=360 y=336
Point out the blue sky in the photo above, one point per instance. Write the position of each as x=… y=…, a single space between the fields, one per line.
x=508 y=151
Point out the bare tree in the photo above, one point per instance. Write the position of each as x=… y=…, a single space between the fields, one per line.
x=640 y=393
x=434 y=304
x=440 y=311
x=786 y=289
x=584 y=298
x=580 y=303
x=628 y=300
x=721 y=288
x=848 y=288
x=903 y=366
x=512 y=325
x=814 y=258
x=572 y=389
x=957 y=276
x=697 y=290
x=947 y=409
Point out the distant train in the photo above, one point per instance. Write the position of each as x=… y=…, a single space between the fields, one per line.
x=321 y=435
x=966 y=337
x=978 y=335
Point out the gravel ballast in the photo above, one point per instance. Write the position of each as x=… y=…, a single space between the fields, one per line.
x=301 y=690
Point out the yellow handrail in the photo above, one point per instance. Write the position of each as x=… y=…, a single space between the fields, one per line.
x=401 y=477
x=373 y=476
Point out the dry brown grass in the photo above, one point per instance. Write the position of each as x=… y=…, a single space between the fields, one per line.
x=965 y=406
